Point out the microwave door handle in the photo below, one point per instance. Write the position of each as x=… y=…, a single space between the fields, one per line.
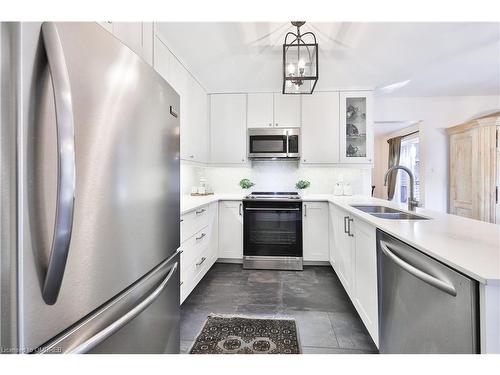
x=287 y=144
x=65 y=200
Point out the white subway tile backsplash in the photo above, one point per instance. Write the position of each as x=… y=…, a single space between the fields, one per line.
x=276 y=176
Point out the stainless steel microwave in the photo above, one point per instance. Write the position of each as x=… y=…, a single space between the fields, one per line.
x=276 y=143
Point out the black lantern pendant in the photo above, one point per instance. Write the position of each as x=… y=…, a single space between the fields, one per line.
x=300 y=62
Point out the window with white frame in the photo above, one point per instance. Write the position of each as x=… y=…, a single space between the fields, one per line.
x=409 y=157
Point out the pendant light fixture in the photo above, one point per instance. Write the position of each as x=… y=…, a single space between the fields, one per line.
x=300 y=61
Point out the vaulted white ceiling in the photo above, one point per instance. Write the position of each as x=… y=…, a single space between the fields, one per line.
x=403 y=59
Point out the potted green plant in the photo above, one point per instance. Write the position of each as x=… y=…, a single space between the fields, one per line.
x=302 y=185
x=246 y=184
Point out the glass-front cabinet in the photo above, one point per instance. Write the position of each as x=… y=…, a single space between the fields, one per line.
x=356 y=127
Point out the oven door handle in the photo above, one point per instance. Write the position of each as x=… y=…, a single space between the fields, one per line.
x=270 y=209
x=287 y=144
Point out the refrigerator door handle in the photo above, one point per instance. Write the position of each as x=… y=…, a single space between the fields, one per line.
x=425 y=277
x=100 y=336
x=116 y=314
x=65 y=200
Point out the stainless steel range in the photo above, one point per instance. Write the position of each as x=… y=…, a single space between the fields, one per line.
x=272 y=231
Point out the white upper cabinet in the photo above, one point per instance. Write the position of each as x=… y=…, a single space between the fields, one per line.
x=130 y=33
x=273 y=110
x=180 y=80
x=194 y=104
x=260 y=110
x=287 y=110
x=320 y=128
x=138 y=36
x=108 y=25
x=228 y=128
x=162 y=59
x=194 y=122
x=198 y=132
x=178 y=77
x=315 y=231
x=356 y=127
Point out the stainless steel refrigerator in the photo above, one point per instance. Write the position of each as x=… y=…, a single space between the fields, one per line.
x=90 y=195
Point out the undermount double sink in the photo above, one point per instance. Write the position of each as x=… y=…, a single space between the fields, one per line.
x=384 y=212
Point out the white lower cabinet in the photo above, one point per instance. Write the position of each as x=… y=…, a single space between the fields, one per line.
x=332 y=238
x=231 y=230
x=345 y=265
x=365 y=275
x=315 y=231
x=199 y=236
x=354 y=259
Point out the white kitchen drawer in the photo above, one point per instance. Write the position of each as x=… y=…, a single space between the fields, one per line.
x=312 y=204
x=193 y=222
x=195 y=245
x=191 y=274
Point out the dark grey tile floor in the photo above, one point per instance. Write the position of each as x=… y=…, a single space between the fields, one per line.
x=326 y=319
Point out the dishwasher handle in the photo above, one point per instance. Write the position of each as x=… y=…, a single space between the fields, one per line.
x=425 y=277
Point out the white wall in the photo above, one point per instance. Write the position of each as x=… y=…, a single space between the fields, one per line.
x=436 y=114
x=276 y=176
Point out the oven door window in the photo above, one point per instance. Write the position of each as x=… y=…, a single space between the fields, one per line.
x=271 y=232
x=267 y=144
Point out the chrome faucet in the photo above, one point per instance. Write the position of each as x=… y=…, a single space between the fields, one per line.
x=412 y=203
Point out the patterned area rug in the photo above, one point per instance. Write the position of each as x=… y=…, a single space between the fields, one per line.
x=243 y=335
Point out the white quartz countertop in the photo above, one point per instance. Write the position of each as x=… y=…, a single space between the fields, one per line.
x=470 y=246
x=190 y=203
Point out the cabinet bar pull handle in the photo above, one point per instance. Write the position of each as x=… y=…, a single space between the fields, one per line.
x=201 y=261
x=349 y=227
x=202 y=235
x=200 y=211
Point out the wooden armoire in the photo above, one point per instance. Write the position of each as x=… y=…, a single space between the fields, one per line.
x=474 y=169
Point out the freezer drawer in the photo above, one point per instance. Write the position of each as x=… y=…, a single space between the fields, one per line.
x=424 y=306
x=144 y=319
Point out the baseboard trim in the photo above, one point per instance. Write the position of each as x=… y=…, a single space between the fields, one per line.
x=230 y=260
x=306 y=262
x=316 y=263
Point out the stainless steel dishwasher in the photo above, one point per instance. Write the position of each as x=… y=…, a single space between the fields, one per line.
x=424 y=306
